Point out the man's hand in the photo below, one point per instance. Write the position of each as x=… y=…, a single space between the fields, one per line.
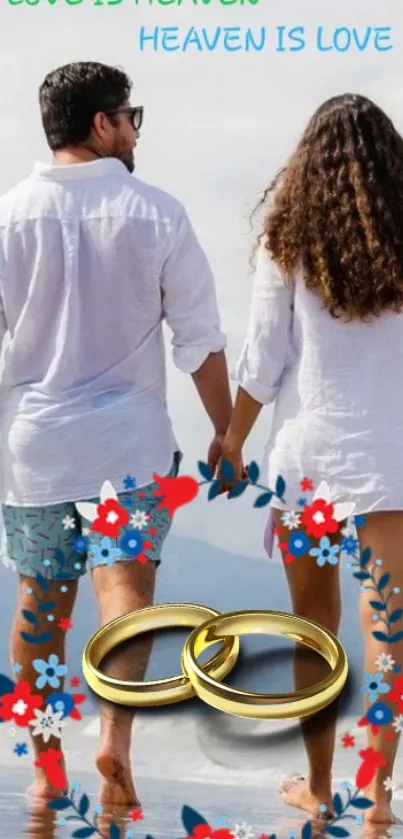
x=235 y=459
x=215 y=451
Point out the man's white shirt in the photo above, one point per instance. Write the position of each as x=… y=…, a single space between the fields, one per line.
x=92 y=260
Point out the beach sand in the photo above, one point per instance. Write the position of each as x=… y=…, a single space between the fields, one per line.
x=228 y=769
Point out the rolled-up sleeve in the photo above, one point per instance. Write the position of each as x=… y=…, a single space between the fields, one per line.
x=267 y=344
x=189 y=300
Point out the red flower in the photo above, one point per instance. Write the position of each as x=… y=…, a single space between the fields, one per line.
x=367 y=771
x=77 y=698
x=19 y=706
x=204 y=831
x=111 y=517
x=318 y=518
x=49 y=760
x=396 y=694
x=348 y=741
x=136 y=815
x=65 y=624
x=306 y=485
x=75 y=682
x=176 y=492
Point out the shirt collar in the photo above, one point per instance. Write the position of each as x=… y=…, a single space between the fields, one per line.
x=76 y=171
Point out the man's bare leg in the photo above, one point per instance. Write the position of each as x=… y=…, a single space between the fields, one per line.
x=24 y=654
x=121 y=588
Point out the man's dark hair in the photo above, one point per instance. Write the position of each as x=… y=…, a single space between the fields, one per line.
x=71 y=95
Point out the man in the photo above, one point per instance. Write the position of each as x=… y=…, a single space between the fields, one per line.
x=92 y=260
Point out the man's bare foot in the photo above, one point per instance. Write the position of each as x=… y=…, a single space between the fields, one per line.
x=117 y=786
x=381 y=814
x=41 y=790
x=295 y=792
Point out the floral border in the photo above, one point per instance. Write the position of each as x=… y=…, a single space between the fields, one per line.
x=317 y=516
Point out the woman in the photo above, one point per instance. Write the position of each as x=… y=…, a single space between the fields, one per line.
x=325 y=342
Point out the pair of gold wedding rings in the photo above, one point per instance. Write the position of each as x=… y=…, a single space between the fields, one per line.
x=212 y=627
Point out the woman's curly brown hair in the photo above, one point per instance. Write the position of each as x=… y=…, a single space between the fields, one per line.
x=338 y=209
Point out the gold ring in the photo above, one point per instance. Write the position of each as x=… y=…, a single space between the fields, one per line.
x=161 y=691
x=301 y=703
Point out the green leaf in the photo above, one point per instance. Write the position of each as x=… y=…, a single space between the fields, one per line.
x=383 y=581
x=83 y=832
x=29 y=616
x=214 y=490
x=205 y=470
x=362 y=575
x=114 y=831
x=59 y=804
x=380 y=636
x=336 y=831
x=30 y=639
x=280 y=486
x=397 y=637
x=238 y=489
x=365 y=557
x=263 y=499
x=191 y=819
x=44 y=637
x=337 y=803
x=395 y=616
x=253 y=472
x=84 y=805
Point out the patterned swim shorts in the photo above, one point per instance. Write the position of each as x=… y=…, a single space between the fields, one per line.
x=57 y=541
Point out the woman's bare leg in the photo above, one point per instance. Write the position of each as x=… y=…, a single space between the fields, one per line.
x=383 y=533
x=315 y=594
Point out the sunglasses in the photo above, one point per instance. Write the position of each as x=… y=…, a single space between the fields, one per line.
x=135 y=115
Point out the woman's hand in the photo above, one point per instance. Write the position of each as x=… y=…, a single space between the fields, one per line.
x=233 y=456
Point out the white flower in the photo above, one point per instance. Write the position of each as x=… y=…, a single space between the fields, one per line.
x=19 y=708
x=68 y=523
x=389 y=784
x=90 y=511
x=398 y=723
x=385 y=662
x=139 y=519
x=291 y=519
x=348 y=533
x=341 y=510
x=86 y=531
x=12 y=731
x=242 y=831
x=48 y=723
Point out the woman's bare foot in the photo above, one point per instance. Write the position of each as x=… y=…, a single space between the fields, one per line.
x=381 y=814
x=117 y=787
x=295 y=792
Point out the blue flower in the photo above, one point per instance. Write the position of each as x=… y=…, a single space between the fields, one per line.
x=20 y=749
x=80 y=545
x=17 y=667
x=359 y=521
x=374 y=685
x=49 y=671
x=350 y=545
x=98 y=809
x=104 y=554
x=61 y=702
x=325 y=553
x=302 y=502
x=131 y=543
x=298 y=543
x=379 y=714
x=129 y=482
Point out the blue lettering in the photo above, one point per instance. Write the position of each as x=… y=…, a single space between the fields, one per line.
x=192 y=38
x=228 y=37
x=379 y=37
x=153 y=37
x=280 y=39
x=336 y=40
x=319 y=41
x=296 y=37
x=169 y=33
x=250 y=42
x=211 y=45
